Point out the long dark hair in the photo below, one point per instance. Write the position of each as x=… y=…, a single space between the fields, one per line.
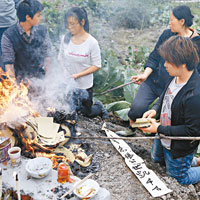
x=79 y=14
x=183 y=12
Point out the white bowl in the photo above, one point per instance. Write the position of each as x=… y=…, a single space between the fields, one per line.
x=87 y=190
x=39 y=167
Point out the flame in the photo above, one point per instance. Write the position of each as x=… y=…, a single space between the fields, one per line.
x=43 y=151
x=14 y=100
x=15 y=105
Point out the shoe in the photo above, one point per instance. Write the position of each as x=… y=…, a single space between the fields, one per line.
x=195 y=162
x=126 y=133
x=104 y=112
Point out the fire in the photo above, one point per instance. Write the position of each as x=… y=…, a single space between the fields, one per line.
x=14 y=100
x=15 y=108
x=33 y=148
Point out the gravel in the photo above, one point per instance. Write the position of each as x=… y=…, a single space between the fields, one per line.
x=115 y=176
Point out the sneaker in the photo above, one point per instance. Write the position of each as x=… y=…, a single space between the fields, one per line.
x=126 y=133
x=195 y=162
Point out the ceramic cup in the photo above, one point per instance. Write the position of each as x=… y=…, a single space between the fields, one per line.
x=15 y=156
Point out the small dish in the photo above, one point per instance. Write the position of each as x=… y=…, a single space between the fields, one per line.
x=39 y=167
x=87 y=190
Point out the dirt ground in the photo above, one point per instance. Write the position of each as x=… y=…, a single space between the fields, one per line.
x=114 y=175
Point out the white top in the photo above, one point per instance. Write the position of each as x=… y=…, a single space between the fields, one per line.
x=76 y=58
x=165 y=116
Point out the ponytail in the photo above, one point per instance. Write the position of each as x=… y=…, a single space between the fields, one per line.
x=86 y=25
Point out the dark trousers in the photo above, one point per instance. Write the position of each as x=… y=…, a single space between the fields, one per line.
x=143 y=99
x=81 y=101
x=1 y=33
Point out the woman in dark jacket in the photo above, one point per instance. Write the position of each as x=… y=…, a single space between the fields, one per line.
x=155 y=76
x=179 y=111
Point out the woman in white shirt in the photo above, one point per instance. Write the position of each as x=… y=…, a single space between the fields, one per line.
x=80 y=57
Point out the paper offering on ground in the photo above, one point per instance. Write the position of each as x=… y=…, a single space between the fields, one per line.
x=44 y=120
x=146 y=176
x=48 y=130
x=53 y=141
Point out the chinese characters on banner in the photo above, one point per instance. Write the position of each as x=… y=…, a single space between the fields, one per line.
x=146 y=176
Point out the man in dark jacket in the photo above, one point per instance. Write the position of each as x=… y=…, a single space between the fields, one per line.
x=179 y=111
x=26 y=45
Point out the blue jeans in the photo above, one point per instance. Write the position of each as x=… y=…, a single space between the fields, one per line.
x=143 y=99
x=80 y=100
x=179 y=168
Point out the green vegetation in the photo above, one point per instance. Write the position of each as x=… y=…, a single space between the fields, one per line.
x=129 y=14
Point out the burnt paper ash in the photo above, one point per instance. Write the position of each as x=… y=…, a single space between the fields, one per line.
x=60 y=191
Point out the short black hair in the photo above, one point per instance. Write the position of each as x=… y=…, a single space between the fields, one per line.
x=180 y=50
x=183 y=12
x=28 y=7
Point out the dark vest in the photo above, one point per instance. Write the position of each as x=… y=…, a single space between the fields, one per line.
x=29 y=57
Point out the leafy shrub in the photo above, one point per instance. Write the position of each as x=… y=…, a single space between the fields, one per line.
x=129 y=14
x=53 y=14
x=137 y=57
x=110 y=75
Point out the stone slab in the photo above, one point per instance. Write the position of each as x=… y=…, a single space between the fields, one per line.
x=40 y=189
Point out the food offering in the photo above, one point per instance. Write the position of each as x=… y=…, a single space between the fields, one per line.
x=87 y=190
x=39 y=167
x=64 y=173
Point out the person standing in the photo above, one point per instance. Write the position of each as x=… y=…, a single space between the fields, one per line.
x=155 y=76
x=8 y=17
x=80 y=57
x=26 y=46
x=178 y=109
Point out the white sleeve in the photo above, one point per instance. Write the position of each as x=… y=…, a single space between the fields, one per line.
x=96 y=54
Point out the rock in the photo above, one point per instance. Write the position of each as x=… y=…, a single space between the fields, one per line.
x=106 y=155
x=41 y=189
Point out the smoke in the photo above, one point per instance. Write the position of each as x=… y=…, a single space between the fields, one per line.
x=53 y=91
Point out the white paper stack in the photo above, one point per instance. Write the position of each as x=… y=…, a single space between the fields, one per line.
x=48 y=131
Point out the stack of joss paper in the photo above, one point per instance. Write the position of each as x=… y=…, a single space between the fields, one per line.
x=48 y=131
x=141 y=123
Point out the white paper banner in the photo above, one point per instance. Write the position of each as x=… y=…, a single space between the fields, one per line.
x=146 y=176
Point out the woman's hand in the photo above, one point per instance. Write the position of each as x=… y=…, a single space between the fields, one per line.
x=149 y=114
x=139 y=78
x=153 y=128
x=142 y=77
x=85 y=72
x=75 y=76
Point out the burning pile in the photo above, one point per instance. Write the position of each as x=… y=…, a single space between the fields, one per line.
x=14 y=101
x=31 y=132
